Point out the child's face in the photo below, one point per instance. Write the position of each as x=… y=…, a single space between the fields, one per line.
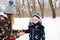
x=35 y=20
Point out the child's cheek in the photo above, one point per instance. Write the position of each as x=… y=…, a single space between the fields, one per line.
x=35 y=22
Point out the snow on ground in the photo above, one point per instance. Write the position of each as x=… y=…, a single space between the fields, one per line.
x=52 y=27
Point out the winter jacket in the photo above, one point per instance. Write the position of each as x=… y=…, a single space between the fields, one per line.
x=35 y=33
x=5 y=28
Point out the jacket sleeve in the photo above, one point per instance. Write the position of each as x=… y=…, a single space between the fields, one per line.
x=43 y=34
x=16 y=34
x=28 y=30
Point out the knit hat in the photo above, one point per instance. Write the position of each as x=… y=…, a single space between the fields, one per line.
x=10 y=2
x=36 y=15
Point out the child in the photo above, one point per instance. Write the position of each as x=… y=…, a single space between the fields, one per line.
x=35 y=28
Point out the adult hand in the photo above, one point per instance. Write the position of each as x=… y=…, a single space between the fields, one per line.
x=20 y=32
x=0 y=34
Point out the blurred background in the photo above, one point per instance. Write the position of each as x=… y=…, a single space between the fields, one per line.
x=25 y=8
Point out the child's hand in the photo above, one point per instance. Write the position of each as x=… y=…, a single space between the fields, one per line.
x=21 y=33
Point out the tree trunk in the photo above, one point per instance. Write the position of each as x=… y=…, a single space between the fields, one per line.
x=34 y=7
x=41 y=8
x=52 y=9
x=29 y=8
x=17 y=8
x=19 y=15
x=23 y=8
x=31 y=5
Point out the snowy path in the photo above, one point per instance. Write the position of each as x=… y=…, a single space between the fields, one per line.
x=52 y=27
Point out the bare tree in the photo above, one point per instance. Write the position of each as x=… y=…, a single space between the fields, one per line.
x=17 y=8
x=52 y=9
x=23 y=8
x=41 y=8
x=29 y=8
x=34 y=6
x=54 y=3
